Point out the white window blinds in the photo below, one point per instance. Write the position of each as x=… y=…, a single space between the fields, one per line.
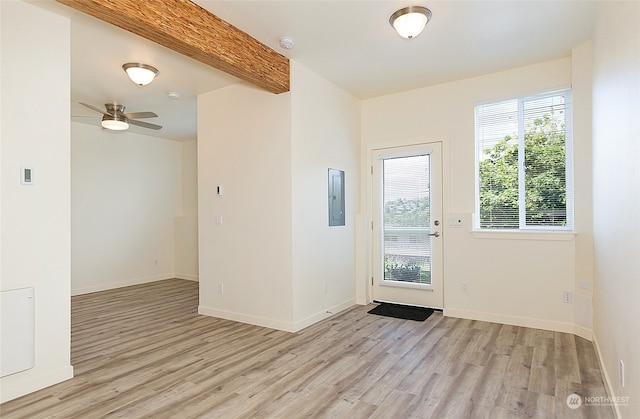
x=406 y=217
x=524 y=163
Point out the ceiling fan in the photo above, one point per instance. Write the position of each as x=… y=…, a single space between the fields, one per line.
x=114 y=117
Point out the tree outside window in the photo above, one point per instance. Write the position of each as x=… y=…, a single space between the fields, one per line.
x=524 y=184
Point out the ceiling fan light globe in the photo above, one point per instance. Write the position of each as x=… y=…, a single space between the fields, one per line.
x=114 y=124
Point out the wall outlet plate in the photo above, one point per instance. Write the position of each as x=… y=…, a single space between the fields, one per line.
x=464 y=286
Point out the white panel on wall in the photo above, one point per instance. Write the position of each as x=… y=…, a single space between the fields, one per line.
x=583 y=310
x=17 y=330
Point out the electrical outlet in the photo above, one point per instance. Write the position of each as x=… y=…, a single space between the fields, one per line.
x=325 y=288
x=621 y=373
x=567 y=297
x=220 y=289
x=464 y=286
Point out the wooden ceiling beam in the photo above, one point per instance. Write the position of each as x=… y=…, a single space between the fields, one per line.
x=189 y=29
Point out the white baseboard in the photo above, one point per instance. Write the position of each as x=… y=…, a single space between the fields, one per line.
x=583 y=331
x=187 y=277
x=518 y=321
x=247 y=318
x=13 y=386
x=607 y=378
x=273 y=323
x=331 y=311
x=120 y=284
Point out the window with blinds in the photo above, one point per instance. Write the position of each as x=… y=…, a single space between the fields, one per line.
x=406 y=217
x=524 y=163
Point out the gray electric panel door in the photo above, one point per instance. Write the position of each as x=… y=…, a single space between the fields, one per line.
x=336 y=197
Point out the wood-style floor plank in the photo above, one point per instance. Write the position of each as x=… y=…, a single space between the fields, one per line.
x=144 y=352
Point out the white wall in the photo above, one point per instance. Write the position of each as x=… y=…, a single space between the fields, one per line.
x=325 y=134
x=126 y=192
x=513 y=279
x=616 y=191
x=186 y=225
x=35 y=219
x=189 y=178
x=582 y=80
x=270 y=153
x=244 y=145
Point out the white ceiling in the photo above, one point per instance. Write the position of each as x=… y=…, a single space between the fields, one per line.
x=348 y=42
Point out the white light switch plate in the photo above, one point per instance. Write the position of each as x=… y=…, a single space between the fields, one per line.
x=455 y=222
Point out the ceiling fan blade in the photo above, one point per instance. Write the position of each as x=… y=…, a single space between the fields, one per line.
x=144 y=124
x=138 y=115
x=93 y=108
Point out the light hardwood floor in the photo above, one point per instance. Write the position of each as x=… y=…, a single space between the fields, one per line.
x=142 y=351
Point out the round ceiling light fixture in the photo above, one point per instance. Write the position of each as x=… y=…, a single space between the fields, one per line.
x=410 y=21
x=140 y=74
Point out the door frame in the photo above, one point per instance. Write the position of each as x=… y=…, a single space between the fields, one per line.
x=369 y=205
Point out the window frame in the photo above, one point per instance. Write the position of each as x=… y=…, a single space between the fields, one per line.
x=569 y=162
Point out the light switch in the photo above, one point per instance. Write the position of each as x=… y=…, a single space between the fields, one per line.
x=218 y=220
x=219 y=190
x=455 y=222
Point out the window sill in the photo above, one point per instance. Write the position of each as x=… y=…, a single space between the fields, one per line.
x=524 y=235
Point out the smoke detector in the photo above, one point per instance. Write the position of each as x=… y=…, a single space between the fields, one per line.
x=287 y=42
x=173 y=95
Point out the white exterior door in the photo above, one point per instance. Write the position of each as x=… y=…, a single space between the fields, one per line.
x=407 y=225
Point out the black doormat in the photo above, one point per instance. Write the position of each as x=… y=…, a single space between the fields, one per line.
x=400 y=311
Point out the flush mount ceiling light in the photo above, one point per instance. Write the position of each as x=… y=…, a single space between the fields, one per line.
x=141 y=74
x=115 y=122
x=410 y=21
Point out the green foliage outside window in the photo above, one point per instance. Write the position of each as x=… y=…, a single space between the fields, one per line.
x=544 y=174
x=397 y=268
x=404 y=212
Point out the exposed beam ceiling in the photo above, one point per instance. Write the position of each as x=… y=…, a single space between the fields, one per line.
x=193 y=31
